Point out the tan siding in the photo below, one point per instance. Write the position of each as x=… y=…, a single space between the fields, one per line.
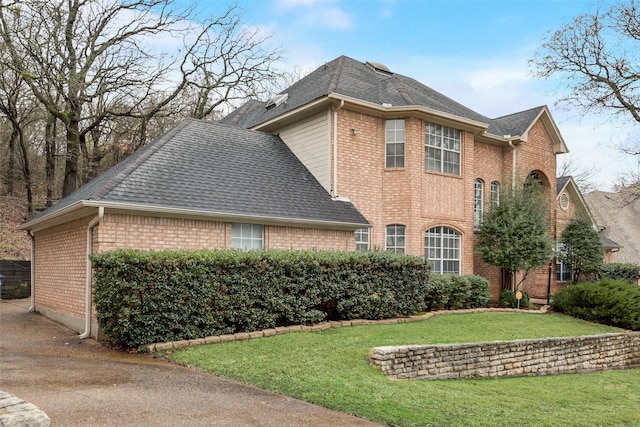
x=309 y=141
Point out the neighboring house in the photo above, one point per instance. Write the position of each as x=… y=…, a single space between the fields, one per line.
x=422 y=168
x=618 y=218
x=201 y=185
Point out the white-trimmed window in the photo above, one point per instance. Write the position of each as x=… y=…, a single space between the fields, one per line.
x=442 y=149
x=247 y=236
x=495 y=194
x=442 y=249
x=396 y=238
x=563 y=271
x=362 y=239
x=478 y=202
x=394 y=143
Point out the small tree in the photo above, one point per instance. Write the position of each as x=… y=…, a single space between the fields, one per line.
x=514 y=234
x=581 y=249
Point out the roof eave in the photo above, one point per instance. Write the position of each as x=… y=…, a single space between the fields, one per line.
x=77 y=210
x=386 y=110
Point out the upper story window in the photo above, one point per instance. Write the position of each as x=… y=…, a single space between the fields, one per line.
x=247 y=236
x=442 y=149
x=495 y=194
x=478 y=203
x=394 y=143
x=362 y=239
x=442 y=249
x=396 y=238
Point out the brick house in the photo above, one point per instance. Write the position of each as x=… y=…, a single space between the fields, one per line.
x=419 y=166
x=201 y=185
x=352 y=156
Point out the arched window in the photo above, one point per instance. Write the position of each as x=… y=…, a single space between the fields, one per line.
x=495 y=194
x=478 y=203
x=442 y=249
x=396 y=238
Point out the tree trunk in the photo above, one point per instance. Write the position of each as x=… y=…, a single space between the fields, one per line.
x=70 y=182
x=50 y=154
x=13 y=138
x=26 y=170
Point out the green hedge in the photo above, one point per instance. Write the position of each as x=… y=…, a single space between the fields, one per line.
x=450 y=292
x=618 y=271
x=143 y=297
x=611 y=302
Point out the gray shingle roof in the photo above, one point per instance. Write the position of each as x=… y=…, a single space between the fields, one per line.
x=358 y=80
x=216 y=168
x=560 y=183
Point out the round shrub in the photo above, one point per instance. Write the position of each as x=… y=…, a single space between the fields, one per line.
x=507 y=299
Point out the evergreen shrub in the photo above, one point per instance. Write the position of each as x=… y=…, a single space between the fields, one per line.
x=621 y=271
x=610 y=302
x=160 y=296
x=450 y=291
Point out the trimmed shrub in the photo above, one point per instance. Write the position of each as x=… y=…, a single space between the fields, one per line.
x=617 y=271
x=507 y=299
x=450 y=291
x=149 y=296
x=610 y=302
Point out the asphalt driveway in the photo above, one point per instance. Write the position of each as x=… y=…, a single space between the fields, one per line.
x=83 y=383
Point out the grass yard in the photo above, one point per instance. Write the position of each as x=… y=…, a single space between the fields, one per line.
x=330 y=368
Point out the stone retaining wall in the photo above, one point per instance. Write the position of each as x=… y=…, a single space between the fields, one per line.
x=511 y=358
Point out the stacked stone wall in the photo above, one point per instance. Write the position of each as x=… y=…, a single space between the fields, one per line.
x=513 y=358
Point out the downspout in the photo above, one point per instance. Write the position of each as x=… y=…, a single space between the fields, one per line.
x=88 y=277
x=335 y=148
x=33 y=273
x=513 y=187
x=513 y=164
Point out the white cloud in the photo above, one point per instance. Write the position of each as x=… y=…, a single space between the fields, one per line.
x=316 y=13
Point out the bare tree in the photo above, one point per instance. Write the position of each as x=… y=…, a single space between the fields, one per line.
x=582 y=175
x=597 y=57
x=89 y=63
x=19 y=110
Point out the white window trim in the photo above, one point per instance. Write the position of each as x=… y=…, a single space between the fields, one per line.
x=396 y=248
x=438 y=233
x=478 y=202
x=394 y=142
x=362 y=232
x=442 y=148
x=251 y=230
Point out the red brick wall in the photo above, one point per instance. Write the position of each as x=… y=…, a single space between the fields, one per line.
x=61 y=253
x=420 y=199
x=59 y=267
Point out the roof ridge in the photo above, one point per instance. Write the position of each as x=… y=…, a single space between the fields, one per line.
x=539 y=107
x=402 y=90
x=150 y=150
x=333 y=83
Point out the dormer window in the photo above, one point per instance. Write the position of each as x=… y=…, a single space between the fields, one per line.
x=277 y=100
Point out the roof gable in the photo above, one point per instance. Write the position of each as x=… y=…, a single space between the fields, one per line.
x=567 y=184
x=216 y=169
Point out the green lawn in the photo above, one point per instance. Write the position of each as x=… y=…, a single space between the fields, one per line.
x=329 y=368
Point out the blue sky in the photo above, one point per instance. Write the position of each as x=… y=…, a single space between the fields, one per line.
x=475 y=52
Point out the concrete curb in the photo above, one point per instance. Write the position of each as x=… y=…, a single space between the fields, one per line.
x=15 y=412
